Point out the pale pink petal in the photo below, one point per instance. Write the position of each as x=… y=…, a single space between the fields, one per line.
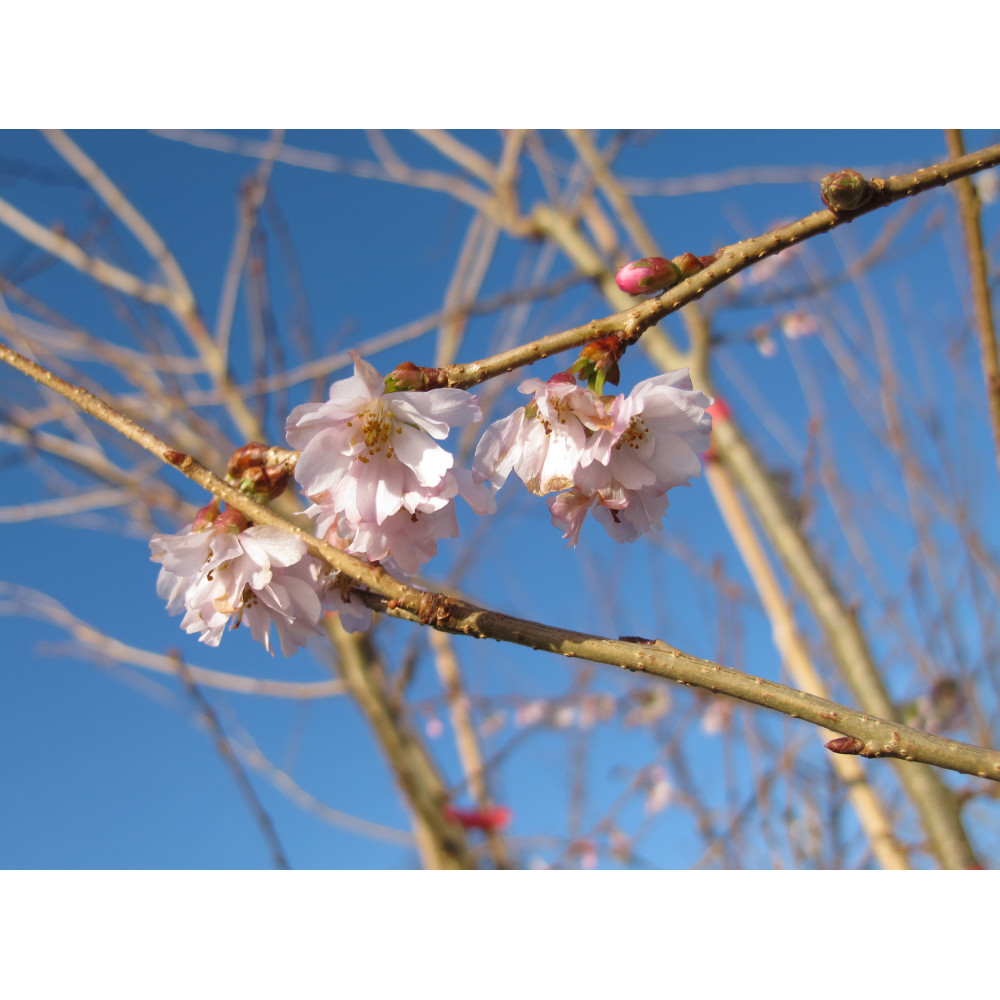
x=428 y=461
x=436 y=411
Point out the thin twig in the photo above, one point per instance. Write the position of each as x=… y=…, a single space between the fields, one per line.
x=225 y=751
x=634 y=321
x=66 y=250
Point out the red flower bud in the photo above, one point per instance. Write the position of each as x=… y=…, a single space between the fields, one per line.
x=651 y=274
x=719 y=410
x=488 y=820
x=260 y=471
x=243 y=458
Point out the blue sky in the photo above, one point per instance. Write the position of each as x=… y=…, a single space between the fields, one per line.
x=103 y=766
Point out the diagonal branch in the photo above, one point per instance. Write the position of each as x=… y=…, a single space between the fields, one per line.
x=869 y=736
x=635 y=320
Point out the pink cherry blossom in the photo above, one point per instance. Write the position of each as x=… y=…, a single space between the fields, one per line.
x=404 y=541
x=219 y=575
x=626 y=515
x=615 y=456
x=799 y=324
x=369 y=452
x=545 y=442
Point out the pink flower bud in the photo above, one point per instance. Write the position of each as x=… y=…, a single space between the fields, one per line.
x=845 y=191
x=651 y=274
x=206 y=515
x=230 y=520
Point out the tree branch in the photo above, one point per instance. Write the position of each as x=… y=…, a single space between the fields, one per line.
x=875 y=737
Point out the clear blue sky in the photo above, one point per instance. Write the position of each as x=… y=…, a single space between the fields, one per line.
x=103 y=767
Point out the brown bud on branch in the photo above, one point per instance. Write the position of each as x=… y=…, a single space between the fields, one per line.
x=845 y=191
x=846 y=744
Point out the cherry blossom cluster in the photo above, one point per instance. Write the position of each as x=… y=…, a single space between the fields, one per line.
x=382 y=488
x=219 y=571
x=616 y=456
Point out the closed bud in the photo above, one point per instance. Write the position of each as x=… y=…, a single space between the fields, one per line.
x=651 y=274
x=846 y=744
x=206 y=515
x=231 y=520
x=260 y=471
x=845 y=191
x=264 y=482
x=243 y=458
x=408 y=377
x=489 y=819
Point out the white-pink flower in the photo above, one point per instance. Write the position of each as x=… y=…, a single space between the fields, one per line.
x=799 y=324
x=659 y=431
x=616 y=456
x=370 y=453
x=381 y=486
x=627 y=515
x=404 y=541
x=547 y=441
x=219 y=575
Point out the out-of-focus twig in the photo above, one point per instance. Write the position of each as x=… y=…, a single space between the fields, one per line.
x=798 y=662
x=32 y=603
x=975 y=252
x=465 y=735
x=225 y=751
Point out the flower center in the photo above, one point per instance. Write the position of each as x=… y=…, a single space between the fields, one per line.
x=634 y=434
x=377 y=428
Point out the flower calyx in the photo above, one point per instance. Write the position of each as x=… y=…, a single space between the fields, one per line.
x=598 y=363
